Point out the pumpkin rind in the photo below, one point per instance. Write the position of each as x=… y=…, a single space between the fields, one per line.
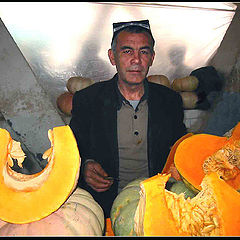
x=83 y=197
x=59 y=177
x=180 y=187
x=124 y=223
x=123 y=208
x=121 y=201
x=135 y=183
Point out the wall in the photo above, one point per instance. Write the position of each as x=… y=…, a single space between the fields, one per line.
x=225 y=111
x=58 y=47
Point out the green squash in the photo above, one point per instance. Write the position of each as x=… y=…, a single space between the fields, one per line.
x=180 y=187
x=124 y=223
x=123 y=209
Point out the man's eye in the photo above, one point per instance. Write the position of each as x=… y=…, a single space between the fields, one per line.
x=145 y=52
x=127 y=51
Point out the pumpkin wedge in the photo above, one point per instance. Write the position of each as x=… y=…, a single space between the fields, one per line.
x=170 y=159
x=28 y=198
x=202 y=153
x=210 y=213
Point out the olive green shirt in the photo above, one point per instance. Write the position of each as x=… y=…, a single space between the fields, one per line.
x=132 y=121
x=132 y=142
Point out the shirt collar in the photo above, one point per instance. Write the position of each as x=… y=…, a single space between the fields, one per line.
x=121 y=98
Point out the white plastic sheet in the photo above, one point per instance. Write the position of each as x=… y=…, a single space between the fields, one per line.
x=61 y=40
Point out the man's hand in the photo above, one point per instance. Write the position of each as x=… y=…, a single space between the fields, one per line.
x=94 y=177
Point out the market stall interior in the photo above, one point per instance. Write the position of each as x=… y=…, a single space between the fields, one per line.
x=72 y=39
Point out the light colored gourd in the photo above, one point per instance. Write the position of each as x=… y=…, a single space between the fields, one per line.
x=159 y=79
x=77 y=83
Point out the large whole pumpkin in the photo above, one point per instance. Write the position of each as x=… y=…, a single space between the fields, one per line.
x=159 y=79
x=36 y=204
x=123 y=209
x=64 y=103
x=185 y=84
x=80 y=215
x=214 y=211
x=77 y=83
x=190 y=99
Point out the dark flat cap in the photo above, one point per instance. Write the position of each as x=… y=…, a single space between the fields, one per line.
x=121 y=25
x=118 y=27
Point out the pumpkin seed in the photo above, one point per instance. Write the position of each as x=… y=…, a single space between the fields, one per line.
x=208 y=228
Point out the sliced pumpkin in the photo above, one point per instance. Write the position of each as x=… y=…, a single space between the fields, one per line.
x=152 y=217
x=203 y=153
x=210 y=213
x=170 y=159
x=28 y=198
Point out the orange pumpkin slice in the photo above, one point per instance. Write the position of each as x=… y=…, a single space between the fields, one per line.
x=170 y=158
x=191 y=153
x=203 y=153
x=28 y=198
x=210 y=213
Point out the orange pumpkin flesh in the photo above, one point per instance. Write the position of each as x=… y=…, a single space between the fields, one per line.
x=152 y=216
x=199 y=154
x=189 y=157
x=228 y=202
x=210 y=213
x=28 y=198
x=170 y=158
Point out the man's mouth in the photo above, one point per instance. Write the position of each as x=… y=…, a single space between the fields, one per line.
x=134 y=70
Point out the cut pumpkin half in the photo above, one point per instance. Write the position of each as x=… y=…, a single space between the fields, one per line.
x=28 y=198
x=203 y=153
x=214 y=211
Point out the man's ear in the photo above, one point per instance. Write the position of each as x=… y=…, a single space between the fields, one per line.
x=111 y=57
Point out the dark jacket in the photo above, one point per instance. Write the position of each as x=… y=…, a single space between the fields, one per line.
x=94 y=124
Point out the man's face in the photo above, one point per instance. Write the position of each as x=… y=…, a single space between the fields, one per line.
x=133 y=56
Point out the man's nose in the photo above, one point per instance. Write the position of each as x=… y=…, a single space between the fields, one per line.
x=136 y=57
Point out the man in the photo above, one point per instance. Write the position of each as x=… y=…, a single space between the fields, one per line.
x=125 y=126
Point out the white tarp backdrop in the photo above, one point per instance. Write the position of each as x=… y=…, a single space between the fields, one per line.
x=60 y=40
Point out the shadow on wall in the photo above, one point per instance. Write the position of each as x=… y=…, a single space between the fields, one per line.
x=176 y=56
x=225 y=113
x=90 y=65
